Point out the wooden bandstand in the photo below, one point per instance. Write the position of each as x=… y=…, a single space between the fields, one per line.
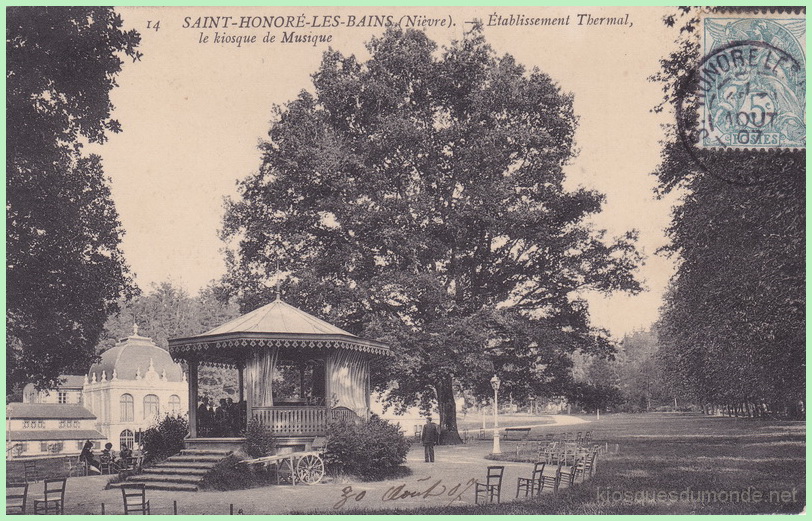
x=328 y=368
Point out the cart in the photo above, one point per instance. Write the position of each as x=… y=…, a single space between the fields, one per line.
x=305 y=466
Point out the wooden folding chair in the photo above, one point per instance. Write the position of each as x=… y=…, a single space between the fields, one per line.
x=567 y=474
x=16 y=496
x=586 y=465
x=107 y=466
x=53 y=501
x=135 y=498
x=492 y=488
x=551 y=480
x=134 y=463
x=30 y=471
x=75 y=467
x=531 y=485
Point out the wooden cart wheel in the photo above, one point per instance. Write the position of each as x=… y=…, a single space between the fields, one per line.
x=310 y=469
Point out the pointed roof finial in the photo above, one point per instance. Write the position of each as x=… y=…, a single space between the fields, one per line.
x=278 y=278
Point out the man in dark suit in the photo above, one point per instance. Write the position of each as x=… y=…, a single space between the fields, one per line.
x=430 y=437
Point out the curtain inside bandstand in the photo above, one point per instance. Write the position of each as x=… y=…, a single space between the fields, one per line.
x=259 y=372
x=348 y=372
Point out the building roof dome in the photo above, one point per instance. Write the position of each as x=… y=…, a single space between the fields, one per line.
x=134 y=358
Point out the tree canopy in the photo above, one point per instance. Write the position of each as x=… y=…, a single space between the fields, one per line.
x=65 y=270
x=418 y=198
x=168 y=311
x=733 y=325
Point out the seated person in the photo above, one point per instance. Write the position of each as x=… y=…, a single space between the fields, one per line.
x=107 y=456
x=87 y=457
x=125 y=454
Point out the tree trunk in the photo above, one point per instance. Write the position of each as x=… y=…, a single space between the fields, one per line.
x=449 y=435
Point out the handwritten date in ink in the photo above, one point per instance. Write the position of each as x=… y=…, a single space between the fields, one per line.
x=394 y=493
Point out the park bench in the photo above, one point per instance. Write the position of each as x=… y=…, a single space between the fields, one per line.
x=516 y=433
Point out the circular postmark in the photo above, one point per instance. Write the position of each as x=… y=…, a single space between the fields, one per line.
x=742 y=96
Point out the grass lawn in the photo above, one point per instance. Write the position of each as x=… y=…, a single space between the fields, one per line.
x=676 y=464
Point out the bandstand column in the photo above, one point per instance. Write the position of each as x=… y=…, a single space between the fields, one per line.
x=241 y=381
x=193 y=364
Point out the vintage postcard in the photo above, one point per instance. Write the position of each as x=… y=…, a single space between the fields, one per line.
x=405 y=260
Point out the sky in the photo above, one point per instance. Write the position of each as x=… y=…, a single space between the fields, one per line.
x=194 y=112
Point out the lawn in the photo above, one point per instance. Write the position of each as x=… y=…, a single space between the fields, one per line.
x=677 y=464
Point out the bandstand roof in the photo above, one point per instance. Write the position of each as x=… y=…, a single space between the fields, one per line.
x=277 y=324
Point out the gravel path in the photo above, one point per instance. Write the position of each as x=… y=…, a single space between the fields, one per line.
x=449 y=480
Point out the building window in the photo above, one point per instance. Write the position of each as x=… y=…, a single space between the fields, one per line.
x=26 y=424
x=55 y=447
x=76 y=424
x=127 y=406
x=63 y=397
x=43 y=446
x=127 y=439
x=40 y=424
x=80 y=445
x=174 y=404
x=150 y=406
x=62 y=423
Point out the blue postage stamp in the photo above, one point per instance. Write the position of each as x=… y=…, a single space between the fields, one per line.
x=752 y=81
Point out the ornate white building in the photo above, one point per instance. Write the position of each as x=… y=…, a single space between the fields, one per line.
x=132 y=387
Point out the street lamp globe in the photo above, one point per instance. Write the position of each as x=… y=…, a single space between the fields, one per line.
x=495 y=381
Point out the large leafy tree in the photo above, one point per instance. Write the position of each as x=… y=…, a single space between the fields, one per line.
x=733 y=325
x=418 y=198
x=65 y=269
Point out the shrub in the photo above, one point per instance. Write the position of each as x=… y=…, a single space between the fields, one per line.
x=165 y=439
x=370 y=450
x=232 y=474
x=259 y=440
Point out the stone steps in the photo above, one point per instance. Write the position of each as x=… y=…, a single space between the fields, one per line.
x=182 y=472
x=192 y=458
x=176 y=470
x=173 y=478
x=200 y=465
x=176 y=487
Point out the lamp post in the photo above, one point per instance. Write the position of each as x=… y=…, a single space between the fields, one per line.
x=495 y=384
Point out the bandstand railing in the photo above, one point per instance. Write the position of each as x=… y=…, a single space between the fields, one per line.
x=300 y=420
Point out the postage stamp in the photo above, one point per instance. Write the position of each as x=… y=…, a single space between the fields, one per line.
x=751 y=81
